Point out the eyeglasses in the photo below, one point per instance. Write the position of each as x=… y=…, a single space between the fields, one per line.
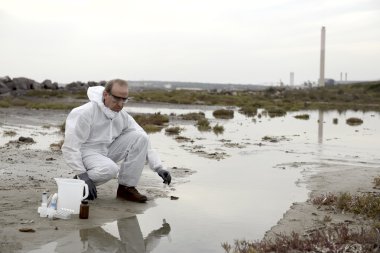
x=118 y=99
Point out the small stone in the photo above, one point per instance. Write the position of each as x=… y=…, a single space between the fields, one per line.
x=26 y=139
x=27 y=230
x=174 y=197
x=56 y=228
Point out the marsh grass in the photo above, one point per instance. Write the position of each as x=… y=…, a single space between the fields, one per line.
x=47 y=93
x=51 y=106
x=149 y=128
x=363 y=96
x=9 y=133
x=173 y=130
x=248 y=110
x=62 y=127
x=354 y=121
x=61 y=93
x=28 y=103
x=57 y=146
x=367 y=204
x=153 y=119
x=275 y=112
x=376 y=181
x=193 y=116
x=302 y=116
x=338 y=238
x=203 y=125
x=223 y=114
x=151 y=122
x=4 y=104
x=218 y=129
x=183 y=139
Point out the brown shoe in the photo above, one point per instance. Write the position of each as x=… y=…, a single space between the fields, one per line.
x=130 y=193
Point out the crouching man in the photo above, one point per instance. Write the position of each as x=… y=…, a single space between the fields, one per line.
x=100 y=134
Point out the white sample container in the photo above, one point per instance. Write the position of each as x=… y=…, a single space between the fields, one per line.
x=70 y=193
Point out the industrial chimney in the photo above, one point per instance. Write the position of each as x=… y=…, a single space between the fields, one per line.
x=322 y=63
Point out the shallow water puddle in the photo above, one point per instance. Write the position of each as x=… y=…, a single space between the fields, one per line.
x=240 y=196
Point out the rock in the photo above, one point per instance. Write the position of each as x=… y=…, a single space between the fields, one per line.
x=3 y=88
x=5 y=79
x=76 y=86
x=30 y=230
x=47 y=84
x=92 y=83
x=174 y=197
x=26 y=139
x=22 y=83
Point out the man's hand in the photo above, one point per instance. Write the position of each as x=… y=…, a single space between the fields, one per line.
x=92 y=193
x=165 y=175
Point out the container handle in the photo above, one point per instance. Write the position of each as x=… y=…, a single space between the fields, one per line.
x=86 y=192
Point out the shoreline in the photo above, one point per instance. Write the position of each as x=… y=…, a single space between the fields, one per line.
x=305 y=217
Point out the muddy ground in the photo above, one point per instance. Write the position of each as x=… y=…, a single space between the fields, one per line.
x=26 y=173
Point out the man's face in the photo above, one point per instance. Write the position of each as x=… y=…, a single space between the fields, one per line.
x=116 y=98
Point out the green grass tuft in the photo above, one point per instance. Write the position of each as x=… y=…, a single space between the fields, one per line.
x=173 y=130
x=193 y=116
x=218 y=129
x=203 y=125
x=302 y=116
x=354 y=121
x=223 y=114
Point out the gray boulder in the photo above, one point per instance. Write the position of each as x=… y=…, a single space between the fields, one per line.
x=3 y=88
x=47 y=84
x=22 y=83
x=76 y=86
x=92 y=83
x=5 y=79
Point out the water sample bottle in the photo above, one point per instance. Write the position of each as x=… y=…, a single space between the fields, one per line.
x=84 y=210
x=44 y=197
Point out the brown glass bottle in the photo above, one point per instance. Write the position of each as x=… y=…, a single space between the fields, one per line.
x=84 y=210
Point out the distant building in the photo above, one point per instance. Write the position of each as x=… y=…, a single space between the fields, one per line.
x=328 y=82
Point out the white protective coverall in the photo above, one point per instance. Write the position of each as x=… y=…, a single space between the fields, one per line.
x=96 y=138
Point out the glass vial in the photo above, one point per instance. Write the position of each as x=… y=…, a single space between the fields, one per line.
x=84 y=210
x=44 y=197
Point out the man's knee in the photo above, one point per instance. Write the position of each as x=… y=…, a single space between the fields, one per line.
x=103 y=174
x=114 y=170
x=143 y=139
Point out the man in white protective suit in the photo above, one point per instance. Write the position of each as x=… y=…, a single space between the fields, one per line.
x=100 y=134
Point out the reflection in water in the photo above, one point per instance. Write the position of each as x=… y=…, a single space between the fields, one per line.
x=320 y=126
x=126 y=238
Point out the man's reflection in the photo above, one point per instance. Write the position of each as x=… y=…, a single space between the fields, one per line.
x=131 y=239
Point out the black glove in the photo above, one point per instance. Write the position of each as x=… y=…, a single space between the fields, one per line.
x=165 y=176
x=92 y=193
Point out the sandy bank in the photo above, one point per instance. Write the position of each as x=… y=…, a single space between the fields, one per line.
x=304 y=217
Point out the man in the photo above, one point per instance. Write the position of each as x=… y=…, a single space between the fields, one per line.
x=100 y=134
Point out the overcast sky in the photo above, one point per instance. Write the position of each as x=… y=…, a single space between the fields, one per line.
x=241 y=41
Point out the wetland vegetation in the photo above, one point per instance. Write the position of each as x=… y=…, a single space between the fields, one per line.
x=275 y=100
